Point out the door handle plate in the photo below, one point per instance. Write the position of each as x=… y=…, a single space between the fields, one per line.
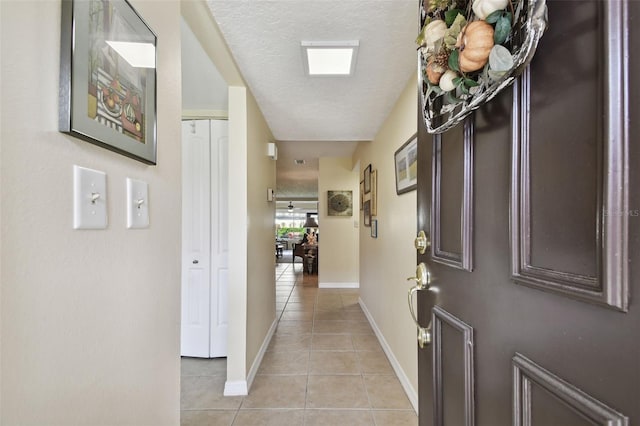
x=422 y=279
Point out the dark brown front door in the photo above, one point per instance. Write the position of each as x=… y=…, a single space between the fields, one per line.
x=532 y=207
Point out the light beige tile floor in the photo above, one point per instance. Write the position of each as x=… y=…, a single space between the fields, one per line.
x=324 y=367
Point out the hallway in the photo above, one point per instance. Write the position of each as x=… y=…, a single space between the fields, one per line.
x=324 y=366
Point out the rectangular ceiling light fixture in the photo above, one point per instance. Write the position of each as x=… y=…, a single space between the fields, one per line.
x=329 y=57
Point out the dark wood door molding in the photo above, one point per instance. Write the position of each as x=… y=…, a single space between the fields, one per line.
x=527 y=374
x=608 y=286
x=556 y=198
x=441 y=317
x=464 y=258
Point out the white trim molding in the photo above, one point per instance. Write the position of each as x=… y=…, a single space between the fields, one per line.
x=412 y=394
x=236 y=388
x=241 y=387
x=258 y=360
x=204 y=114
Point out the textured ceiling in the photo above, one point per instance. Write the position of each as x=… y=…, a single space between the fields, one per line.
x=300 y=182
x=264 y=38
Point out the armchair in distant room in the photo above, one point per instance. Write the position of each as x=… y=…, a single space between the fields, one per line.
x=298 y=250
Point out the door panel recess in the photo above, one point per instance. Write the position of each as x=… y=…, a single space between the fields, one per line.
x=534 y=388
x=453 y=377
x=452 y=197
x=576 y=248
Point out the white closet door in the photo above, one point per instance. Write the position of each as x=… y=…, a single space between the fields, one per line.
x=219 y=237
x=196 y=239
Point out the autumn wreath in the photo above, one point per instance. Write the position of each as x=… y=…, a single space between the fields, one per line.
x=469 y=50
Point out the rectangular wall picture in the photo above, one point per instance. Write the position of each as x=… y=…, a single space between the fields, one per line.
x=108 y=77
x=406 y=161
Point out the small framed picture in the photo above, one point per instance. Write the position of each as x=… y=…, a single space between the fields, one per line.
x=374 y=193
x=406 y=160
x=374 y=228
x=339 y=203
x=367 y=213
x=361 y=195
x=367 y=179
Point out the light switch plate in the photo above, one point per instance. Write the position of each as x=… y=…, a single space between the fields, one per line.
x=137 y=204
x=89 y=198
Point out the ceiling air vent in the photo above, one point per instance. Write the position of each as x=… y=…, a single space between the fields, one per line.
x=299 y=162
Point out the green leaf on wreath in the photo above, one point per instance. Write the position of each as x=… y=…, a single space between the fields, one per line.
x=470 y=82
x=503 y=27
x=450 y=16
x=453 y=60
x=452 y=99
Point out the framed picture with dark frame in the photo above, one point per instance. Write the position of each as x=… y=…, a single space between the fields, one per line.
x=367 y=213
x=406 y=161
x=108 y=77
x=367 y=179
x=374 y=228
x=361 y=194
x=374 y=192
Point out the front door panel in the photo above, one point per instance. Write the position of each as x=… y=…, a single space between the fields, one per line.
x=556 y=239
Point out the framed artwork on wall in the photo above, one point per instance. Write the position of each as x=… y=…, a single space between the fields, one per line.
x=374 y=193
x=361 y=194
x=374 y=228
x=406 y=161
x=339 y=203
x=367 y=179
x=108 y=77
x=367 y=213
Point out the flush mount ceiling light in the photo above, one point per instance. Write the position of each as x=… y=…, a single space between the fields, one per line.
x=329 y=57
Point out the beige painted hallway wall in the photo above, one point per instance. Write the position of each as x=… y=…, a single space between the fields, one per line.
x=251 y=218
x=386 y=262
x=339 y=251
x=90 y=319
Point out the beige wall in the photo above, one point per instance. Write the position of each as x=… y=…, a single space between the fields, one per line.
x=251 y=238
x=261 y=285
x=237 y=340
x=251 y=218
x=385 y=262
x=90 y=319
x=338 y=263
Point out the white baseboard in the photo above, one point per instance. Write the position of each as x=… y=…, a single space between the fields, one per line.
x=265 y=344
x=241 y=387
x=339 y=285
x=235 y=388
x=412 y=394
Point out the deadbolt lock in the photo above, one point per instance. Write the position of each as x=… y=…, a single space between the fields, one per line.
x=424 y=337
x=421 y=243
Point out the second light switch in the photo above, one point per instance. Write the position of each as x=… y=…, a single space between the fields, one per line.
x=137 y=204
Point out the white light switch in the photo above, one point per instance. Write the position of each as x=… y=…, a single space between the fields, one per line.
x=89 y=198
x=137 y=204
